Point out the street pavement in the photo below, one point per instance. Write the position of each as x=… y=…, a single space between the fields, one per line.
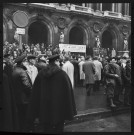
x=118 y=123
x=97 y=100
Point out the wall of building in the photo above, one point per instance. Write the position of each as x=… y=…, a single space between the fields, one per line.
x=58 y=21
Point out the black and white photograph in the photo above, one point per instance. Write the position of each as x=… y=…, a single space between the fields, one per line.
x=66 y=68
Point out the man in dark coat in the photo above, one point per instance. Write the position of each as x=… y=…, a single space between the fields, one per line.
x=22 y=89
x=52 y=99
x=76 y=70
x=6 y=120
x=127 y=83
x=8 y=110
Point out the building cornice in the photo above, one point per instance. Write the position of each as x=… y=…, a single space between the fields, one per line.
x=76 y=10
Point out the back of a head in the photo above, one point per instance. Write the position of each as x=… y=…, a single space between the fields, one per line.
x=82 y=58
x=66 y=57
x=95 y=58
x=74 y=57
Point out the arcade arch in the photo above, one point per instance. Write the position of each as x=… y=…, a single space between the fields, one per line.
x=109 y=39
x=76 y=36
x=38 y=32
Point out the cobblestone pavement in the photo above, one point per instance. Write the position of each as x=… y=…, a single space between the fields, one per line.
x=119 y=123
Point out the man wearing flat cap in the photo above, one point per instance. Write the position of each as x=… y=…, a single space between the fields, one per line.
x=31 y=68
x=52 y=100
x=22 y=86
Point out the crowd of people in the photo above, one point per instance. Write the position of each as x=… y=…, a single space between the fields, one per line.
x=38 y=85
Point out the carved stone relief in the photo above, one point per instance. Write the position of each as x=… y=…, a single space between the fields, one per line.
x=97 y=27
x=61 y=22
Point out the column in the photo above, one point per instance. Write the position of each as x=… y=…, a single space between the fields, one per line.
x=128 y=9
x=100 y=6
x=119 y=8
x=87 y=4
x=68 y=4
x=83 y=4
x=113 y=7
x=90 y=5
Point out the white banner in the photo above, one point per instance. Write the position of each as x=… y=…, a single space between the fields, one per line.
x=72 y=48
x=20 y=31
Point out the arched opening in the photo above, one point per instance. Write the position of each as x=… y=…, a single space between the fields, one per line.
x=107 y=40
x=38 y=33
x=76 y=36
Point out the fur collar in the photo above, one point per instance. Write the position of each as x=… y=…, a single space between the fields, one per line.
x=50 y=70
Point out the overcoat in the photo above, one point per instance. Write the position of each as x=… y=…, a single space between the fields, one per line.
x=69 y=69
x=89 y=70
x=82 y=74
x=22 y=85
x=76 y=71
x=52 y=98
x=8 y=110
x=98 y=67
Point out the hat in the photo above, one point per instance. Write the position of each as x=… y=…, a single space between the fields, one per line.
x=31 y=57
x=113 y=60
x=20 y=59
x=53 y=58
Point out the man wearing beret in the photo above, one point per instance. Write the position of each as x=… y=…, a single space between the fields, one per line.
x=52 y=100
x=31 y=68
x=22 y=86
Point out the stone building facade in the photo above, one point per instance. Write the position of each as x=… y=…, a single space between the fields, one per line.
x=81 y=23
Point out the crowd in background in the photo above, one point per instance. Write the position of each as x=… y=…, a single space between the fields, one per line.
x=113 y=72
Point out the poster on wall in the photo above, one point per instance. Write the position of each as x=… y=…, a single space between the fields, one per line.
x=73 y=48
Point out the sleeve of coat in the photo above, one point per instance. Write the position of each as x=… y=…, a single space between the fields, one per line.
x=106 y=71
x=33 y=108
x=26 y=82
x=93 y=67
x=69 y=98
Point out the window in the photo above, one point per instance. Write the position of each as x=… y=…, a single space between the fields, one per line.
x=107 y=7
